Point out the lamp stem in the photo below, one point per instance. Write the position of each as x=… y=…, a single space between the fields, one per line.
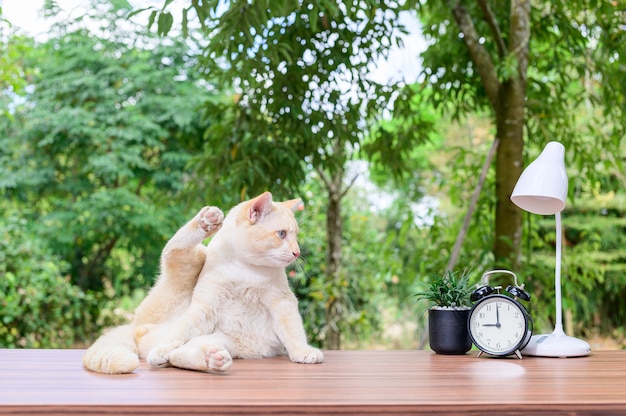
x=557 y=344
x=557 y=275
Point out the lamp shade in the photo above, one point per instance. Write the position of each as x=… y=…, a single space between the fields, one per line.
x=542 y=186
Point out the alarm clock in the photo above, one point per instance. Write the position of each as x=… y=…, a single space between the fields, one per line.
x=499 y=324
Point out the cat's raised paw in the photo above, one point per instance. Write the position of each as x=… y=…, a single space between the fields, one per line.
x=210 y=219
x=306 y=355
x=218 y=359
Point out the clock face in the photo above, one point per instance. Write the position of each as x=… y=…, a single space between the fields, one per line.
x=498 y=325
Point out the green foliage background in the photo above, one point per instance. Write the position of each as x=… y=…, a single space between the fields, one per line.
x=40 y=307
x=109 y=141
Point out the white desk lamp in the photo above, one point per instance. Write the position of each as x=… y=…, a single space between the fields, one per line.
x=542 y=189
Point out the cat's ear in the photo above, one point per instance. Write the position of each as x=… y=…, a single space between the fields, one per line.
x=259 y=207
x=294 y=204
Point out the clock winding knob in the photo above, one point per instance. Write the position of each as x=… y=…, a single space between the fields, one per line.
x=518 y=292
x=481 y=292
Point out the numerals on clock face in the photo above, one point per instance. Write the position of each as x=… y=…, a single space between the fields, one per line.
x=497 y=325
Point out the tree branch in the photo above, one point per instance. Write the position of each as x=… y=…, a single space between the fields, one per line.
x=479 y=55
x=347 y=188
x=470 y=210
x=490 y=18
x=324 y=177
x=520 y=34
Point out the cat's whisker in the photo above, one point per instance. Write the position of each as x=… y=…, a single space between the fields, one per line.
x=298 y=266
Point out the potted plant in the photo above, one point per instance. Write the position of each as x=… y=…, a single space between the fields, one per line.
x=449 y=296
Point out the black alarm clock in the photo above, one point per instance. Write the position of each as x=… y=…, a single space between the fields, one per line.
x=499 y=324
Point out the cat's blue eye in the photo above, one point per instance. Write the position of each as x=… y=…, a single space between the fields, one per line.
x=281 y=234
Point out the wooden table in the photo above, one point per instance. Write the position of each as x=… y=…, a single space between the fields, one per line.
x=349 y=382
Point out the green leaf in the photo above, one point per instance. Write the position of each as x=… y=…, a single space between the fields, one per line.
x=165 y=22
x=151 y=19
x=185 y=23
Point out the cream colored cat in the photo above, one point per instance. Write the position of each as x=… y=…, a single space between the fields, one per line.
x=228 y=299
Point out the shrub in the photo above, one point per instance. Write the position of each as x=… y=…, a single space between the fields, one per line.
x=39 y=307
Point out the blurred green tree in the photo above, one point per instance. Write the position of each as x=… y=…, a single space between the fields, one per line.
x=535 y=67
x=99 y=144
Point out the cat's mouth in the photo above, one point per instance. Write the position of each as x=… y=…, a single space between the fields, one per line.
x=285 y=260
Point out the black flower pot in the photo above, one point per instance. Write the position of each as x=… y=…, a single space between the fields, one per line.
x=447 y=331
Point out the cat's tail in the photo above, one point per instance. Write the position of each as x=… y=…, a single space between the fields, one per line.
x=115 y=352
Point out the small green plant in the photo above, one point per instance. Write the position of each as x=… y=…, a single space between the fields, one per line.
x=448 y=290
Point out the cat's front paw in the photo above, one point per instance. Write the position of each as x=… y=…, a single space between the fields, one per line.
x=210 y=219
x=306 y=355
x=159 y=356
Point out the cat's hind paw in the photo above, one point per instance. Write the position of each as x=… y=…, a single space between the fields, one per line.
x=156 y=359
x=218 y=359
x=159 y=356
x=210 y=219
x=306 y=355
x=211 y=358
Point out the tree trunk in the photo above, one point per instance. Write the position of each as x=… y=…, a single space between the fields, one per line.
x=334 y=235
x=507 y=97
x=333 y=178
x=509 y=166
x=510 y=116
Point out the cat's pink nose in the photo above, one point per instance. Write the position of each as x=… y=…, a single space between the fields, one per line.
x=296 y=254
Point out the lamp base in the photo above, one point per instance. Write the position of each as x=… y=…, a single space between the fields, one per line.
x=556 y=344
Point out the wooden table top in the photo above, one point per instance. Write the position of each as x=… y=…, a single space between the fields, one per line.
x=356 y=382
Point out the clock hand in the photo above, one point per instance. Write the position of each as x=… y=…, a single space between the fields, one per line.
x=497 y=324
x=497 y=316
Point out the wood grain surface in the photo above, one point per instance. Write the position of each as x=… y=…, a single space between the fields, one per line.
x=349 y=382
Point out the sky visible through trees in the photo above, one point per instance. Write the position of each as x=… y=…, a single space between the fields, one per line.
x=402 y=63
